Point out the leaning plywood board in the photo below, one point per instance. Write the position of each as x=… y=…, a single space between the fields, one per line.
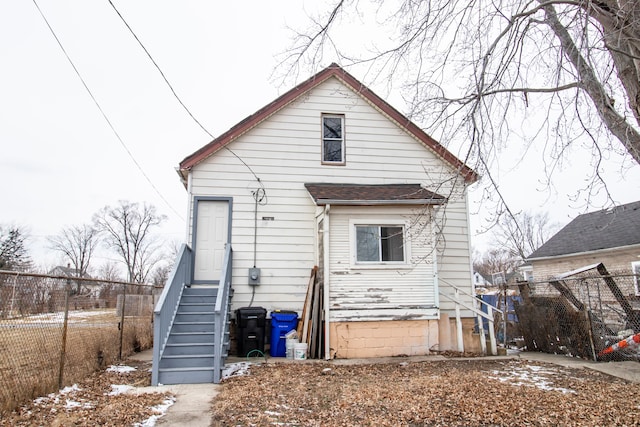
x=315 y=315
x=303 y=325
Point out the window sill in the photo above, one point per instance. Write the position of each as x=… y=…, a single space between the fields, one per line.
x=382 y=266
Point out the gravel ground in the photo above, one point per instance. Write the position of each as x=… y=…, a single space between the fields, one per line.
x=443 y=393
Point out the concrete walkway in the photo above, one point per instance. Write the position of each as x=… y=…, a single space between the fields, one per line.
x=629 y=371
x=192 y=407
x=193 y=401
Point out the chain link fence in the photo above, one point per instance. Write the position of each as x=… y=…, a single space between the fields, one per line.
x=56 y=330
x=581 y=313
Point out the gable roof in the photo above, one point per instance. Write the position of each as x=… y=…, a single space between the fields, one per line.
x=364 y=194
x=336 y=71
x=605 y=229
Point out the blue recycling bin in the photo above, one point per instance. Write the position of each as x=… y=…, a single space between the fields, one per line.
x=281 y=323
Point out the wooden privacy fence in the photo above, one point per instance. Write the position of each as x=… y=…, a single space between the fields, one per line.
x=55 y=330
x=580 y=313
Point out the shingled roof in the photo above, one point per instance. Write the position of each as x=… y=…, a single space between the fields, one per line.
x=605 y=229
x=363 y=194
x=336 y=71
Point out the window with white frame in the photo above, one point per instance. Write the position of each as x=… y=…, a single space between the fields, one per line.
x=333 y=139
x=635 y=269
x=377 y=244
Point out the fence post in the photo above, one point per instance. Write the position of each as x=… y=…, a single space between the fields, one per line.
x=63 y=349
x=460 y=340
x=587 y=314
x=121 y=326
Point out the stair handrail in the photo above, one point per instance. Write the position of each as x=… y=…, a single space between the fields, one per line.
x=165 y=310
x=221 y=313
x=481 y=314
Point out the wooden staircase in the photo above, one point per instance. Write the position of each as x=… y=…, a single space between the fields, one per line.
x=189 y=352
x=191 y=328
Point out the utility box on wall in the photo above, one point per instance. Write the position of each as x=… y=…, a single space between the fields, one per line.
x=250 y=324
x=254 y=276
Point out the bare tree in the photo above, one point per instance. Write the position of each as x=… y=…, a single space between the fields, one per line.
x=77 y=243
x=494 y=260
x=109 y=271
x=524 y=232
x=161 y=272
x=13 y=250
x=128 y=230
x=108 y=291
x=480 y=73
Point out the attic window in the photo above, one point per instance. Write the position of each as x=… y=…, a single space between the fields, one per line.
x=333 y=139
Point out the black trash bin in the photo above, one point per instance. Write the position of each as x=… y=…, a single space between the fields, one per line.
x=250 y=325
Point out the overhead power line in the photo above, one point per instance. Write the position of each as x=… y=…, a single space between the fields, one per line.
x=176 y=95
x=104 y=115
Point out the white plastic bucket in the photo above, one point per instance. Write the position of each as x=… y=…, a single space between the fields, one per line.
x=290 y=346
x=300 y=351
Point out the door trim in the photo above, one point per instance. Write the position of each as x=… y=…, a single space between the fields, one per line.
x=196 y=200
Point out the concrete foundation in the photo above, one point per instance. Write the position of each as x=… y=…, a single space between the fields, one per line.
x=400 y=338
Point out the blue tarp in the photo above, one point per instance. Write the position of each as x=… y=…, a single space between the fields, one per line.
x=497 y=301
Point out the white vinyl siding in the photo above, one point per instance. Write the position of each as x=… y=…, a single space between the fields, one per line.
x=379 y=291
x=284 y=151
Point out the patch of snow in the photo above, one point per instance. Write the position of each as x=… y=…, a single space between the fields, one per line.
x=236 y=369
x=73 y=404
x=117 y=389
x=58 y=317
x=89 y=313
x=69 y=389
x=276 y=414
x=121 y=369
x=159 y=410
x=55 y=397
x=40 y=400
x=530 y=376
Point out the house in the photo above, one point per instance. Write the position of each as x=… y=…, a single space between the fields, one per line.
x=328 y=175
x=608 y=236
x=85 y=287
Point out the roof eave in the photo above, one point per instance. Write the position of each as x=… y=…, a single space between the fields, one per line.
x=576 y=254
x=415 y=202
x=469 y=175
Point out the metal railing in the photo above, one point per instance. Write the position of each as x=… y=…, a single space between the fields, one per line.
x=489 y=316
x=167 y=306
x=221 y=315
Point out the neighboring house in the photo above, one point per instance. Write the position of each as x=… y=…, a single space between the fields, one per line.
x=480 y=281
x=609 y=236
x=85 y=288
x=330 y=175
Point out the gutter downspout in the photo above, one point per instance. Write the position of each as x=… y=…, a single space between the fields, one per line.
x=325 y=248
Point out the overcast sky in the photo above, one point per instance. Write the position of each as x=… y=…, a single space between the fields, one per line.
x=59 y=160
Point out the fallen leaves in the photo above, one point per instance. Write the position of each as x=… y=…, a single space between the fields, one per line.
x=101 y=399
x=443 y=393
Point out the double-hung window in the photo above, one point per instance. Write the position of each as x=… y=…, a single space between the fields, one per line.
x=635 y=269
x=380 y=244
x=333 y=139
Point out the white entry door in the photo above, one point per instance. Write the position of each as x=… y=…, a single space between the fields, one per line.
x=212 y=227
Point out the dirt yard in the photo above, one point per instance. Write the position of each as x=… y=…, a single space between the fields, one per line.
x=444 y=393
x=452 y=392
